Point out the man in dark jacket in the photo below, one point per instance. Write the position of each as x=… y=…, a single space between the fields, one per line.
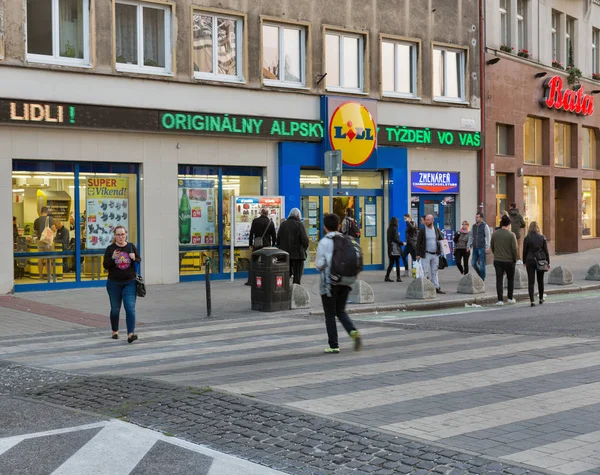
x=292 y=239
x=429 y=251
x=516 y=224
x=411 y=243
x=262 y=227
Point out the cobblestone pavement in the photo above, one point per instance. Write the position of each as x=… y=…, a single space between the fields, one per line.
x=276 y=437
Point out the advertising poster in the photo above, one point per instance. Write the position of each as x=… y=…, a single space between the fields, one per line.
x=434 y=182
x=247 y=208
x=197 y=212
x=107 y=205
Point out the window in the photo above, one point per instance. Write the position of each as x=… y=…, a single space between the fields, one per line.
x=555 y=23
x=588 y=159
x=344 y=61
x=532 y=141
x=588 y=208
x=143 y=37
x=58 y=31
x=562 y=144
x=570 y=41
x=217 y=47
x=595 y=51
x=522 y=25
x=533 y=200
x=284 y=55
x=504 y=139
x=504 y=23
x=448 y=74
x=399 y=68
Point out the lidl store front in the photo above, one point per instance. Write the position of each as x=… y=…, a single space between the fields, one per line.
x=96 y=167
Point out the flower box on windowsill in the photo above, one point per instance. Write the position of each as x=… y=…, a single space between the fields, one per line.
x=506 y=49
x=557 y=65
x=523 y=53
x=596 y=76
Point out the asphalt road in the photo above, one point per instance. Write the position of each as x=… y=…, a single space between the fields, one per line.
x=576 y=314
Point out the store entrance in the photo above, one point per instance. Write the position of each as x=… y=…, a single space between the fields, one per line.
x=565 y=194
x=443 y=210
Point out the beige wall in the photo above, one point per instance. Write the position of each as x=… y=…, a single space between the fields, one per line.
x=158 y=155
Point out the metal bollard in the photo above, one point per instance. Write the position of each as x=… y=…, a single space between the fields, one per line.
x=208 y=301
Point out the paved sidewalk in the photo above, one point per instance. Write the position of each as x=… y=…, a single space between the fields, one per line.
x=187 y=301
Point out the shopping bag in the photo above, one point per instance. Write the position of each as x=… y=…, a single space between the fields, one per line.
x=445 y=247
x=47 y=236
x=419 y=268
x=443 y=263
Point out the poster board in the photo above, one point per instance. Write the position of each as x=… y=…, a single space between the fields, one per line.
x=107 y=205
x=197 y=212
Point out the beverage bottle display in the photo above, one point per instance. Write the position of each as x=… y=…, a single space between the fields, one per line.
x=185 y=219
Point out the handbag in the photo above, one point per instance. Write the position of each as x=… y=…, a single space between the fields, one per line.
x=541 y=263
x=140 y=283
x=47 y=236
x=443 y=263
x=395 y=250
x=258 y=242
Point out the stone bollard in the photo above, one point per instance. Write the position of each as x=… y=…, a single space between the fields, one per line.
x=593 y=273
x=520 y=278
x=560 y=276
x=300 y=297
x=470 y=283
x=361 y=293
x=421 y=289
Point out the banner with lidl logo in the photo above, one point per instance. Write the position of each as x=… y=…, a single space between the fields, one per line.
x=352 y=129
x=434 y=182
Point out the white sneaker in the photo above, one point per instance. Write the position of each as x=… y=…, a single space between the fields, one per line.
x=519 y=262
x=500 y=302
x=511 y=301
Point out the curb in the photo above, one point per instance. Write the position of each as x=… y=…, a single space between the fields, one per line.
x=441 y=304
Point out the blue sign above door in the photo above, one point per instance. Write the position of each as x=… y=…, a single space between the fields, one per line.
x=434 y=182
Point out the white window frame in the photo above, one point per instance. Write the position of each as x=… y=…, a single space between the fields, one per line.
x=281 y=40
x=595 y=45
x=139 y=67
x=56 y=58
x=504 y=35
x=361 y=61
x=414 y=53
x=555 y=43
x=521 y=25
x=569 y=39
x=239 y=60
x=461 y=75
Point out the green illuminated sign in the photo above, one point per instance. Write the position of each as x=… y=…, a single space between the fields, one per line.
x=236 y=125
x=411 y=136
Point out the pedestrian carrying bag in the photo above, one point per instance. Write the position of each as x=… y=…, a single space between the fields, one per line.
x=346 y=261
x=47 y=236
x=140 y=284
x=350 y=228
x=541 y=263
x=259 y=242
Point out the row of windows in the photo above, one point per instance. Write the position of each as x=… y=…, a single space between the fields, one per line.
x=58 y=33
x=533 y=145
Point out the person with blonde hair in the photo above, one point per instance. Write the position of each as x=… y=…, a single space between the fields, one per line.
x=119 y=259
x=535 y=248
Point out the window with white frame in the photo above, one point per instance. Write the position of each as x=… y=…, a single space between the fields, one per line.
x=504 y=23
x=143 y=37
x=522 y=25
x=344 y=61
x=448 y=74
x=555 y=44
x=58 y=31
x=217 y=47
x=570 y=41
x=595 y=50
x=399 y=68
x=284 y=55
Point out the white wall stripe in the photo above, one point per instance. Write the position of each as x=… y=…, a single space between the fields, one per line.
x=352 y=401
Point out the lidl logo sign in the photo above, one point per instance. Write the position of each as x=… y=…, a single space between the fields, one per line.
x=353 y=131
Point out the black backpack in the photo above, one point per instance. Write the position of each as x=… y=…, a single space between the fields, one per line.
x=347 y=260
x=351 y=228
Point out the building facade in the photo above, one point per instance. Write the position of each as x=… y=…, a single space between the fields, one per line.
x=540 y=119
x=180 y=119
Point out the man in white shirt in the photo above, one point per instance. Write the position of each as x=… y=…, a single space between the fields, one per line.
x=333 y=296
x=428 y=251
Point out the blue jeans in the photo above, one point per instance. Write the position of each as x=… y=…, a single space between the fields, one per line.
x=478 y=261
x=122 y=292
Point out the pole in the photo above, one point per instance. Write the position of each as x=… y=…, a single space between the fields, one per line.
x=330 y=191
x=232 y=239
x=208 y=299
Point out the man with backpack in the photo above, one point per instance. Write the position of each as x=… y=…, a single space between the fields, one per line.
x=337 y=255
x=350 y=226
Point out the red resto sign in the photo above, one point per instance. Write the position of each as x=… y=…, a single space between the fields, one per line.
x=566 y=99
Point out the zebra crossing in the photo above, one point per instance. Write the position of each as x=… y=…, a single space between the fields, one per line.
x=117 y=448
x=518 y=398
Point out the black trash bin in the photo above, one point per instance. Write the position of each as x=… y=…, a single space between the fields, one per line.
x=270 y=280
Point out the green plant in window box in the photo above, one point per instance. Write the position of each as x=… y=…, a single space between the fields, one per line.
x=70 y=51
x=523 y=53
x=557 y=64
x=121 y=59
x=596 y=76
x=150 y=62
x=506 y=48
x=574 y=75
